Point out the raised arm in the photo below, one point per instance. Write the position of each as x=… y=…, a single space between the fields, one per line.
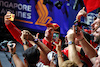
x=44 y=50
x=59 y=53
x=32 y=38
x=25 y=42
x=87 y=47
x=15 y=32
x=72 y=52
x=16 y=59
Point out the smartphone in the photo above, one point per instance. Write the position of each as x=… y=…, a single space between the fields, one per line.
x=77 y=24
x=55 y=37
x=12 y=17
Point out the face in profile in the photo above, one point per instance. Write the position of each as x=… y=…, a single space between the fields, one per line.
x=95 y=25
x=96 y=35
x=49 y=32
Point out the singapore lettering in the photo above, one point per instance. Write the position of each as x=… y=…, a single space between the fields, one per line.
x=20 y=10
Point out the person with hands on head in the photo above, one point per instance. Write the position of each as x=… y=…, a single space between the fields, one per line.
x=16 y=59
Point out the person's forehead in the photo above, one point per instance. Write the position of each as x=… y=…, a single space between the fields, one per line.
x=50 y=28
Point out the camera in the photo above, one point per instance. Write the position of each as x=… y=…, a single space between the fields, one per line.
x=76 y=23
x=10 y=43
x=79 y=24
x=3 y=45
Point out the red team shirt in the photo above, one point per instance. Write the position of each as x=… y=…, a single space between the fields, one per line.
x=16 y=33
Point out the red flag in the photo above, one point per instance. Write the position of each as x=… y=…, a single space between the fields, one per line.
x=91 y=5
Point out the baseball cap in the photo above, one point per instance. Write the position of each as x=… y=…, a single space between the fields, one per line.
x=54 y=25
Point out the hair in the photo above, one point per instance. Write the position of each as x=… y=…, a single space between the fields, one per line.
x=58 y=29
x=31 y=55
x=69 y=63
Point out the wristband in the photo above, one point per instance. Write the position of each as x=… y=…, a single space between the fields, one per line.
x=26 y=43
x=36 y=40
x=13 y=54
x=70 y=42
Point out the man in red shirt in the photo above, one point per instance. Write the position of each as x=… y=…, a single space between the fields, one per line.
x=16 y=33
x=47 y=40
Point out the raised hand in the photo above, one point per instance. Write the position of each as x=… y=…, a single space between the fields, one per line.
x=79 y=34
x=12 y=49
x=81 y=13
x=27 y=35
x=37 y=35
x=58 y=46
x=6 y=18
x=71 y=34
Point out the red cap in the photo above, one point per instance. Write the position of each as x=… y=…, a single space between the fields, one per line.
x=54 y=25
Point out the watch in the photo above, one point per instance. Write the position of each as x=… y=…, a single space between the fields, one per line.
x=70 y=42
x=36 y=40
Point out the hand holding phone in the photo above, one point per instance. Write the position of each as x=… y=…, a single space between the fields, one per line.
x=12 y=17
x=76 y=23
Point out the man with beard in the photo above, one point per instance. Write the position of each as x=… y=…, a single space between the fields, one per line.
x=96 y=35
x=96 y=22
x=88 y=48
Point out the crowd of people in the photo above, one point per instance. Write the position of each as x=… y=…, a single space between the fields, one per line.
x=81 y=50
